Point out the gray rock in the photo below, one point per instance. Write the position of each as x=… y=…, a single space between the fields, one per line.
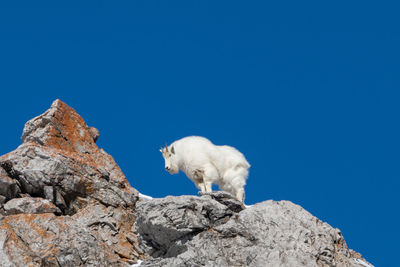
x=226 y=199
x=8 y=186
x=54 y=196
x=165 y=224
x=193 y=231
x=76 y=240
x=2 y=200
x=30 y=205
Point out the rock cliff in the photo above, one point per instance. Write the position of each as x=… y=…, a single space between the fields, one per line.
x=65 y=202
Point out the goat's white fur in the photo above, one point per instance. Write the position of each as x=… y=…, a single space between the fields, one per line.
x=205 y=163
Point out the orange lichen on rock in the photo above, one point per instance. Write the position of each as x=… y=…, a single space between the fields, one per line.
x=64 y=133
x=16 y=250
x=64 y=129
x=73 y=205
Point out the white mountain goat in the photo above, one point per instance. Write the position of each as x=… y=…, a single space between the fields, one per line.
x=205 y=163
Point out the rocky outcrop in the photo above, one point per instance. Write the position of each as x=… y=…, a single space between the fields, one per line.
x=206 y=231
x=65 y=202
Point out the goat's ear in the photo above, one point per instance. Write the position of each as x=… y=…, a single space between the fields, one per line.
x=172 y=150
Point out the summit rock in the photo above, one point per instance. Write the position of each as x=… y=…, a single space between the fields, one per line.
x=64 y=201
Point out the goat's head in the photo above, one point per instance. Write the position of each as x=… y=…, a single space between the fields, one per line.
x=170 y=159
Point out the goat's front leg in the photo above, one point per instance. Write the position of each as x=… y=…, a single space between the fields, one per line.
x=199 y=181
x=202 y=187
x=208 y=186
x=210 y=175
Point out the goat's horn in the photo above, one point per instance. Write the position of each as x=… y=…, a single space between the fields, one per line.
x=166 y=146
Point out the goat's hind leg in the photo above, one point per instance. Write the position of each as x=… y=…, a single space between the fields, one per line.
x=240 y=194
x=236 y=179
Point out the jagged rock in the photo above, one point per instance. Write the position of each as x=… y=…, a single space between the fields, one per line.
x=92 y=237
x=94 y=133
x=2 y=200
x=226 y=199
x=72 y=204
x=165 y=224
x=8 y=186
x=30 y=205
x=59 y=151
x=193 y=231
x=54 y=196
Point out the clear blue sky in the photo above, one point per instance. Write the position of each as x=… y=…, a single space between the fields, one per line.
x=309 y=92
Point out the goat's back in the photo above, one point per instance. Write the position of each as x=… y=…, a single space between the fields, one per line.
x=194 y=149
x=233 y=157
x=200 y=150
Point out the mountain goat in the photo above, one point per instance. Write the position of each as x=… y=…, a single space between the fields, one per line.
x=205 y=163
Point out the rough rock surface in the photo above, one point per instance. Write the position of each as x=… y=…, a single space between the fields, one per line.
x=65 y=202
x=30 y=205
x=210 y=231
